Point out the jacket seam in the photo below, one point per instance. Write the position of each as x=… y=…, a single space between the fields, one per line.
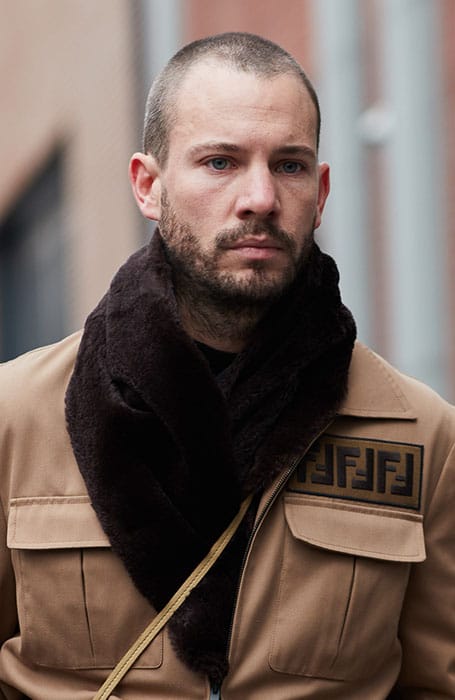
x=396 y=389
x=440 y=476
x=325 y=544
x=2 y=508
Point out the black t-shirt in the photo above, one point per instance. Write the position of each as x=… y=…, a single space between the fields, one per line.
x=217 y=359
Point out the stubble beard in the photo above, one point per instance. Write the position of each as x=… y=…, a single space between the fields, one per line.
x=222 y=302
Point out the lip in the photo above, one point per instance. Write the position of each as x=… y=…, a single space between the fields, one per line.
x=256 y=248
x=260 y=243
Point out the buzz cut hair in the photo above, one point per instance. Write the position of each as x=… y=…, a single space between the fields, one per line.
x=242 y=51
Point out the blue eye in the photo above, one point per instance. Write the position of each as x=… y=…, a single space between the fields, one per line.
x=218 y=163
x=290 y=167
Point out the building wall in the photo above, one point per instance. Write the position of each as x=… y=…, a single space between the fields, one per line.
x=68 y=77
x=380 y=75
x=288 y=22
x=447 y=48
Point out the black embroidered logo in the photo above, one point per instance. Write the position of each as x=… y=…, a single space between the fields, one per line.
x=374 y=471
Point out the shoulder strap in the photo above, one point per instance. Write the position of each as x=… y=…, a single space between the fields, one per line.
x=158 y=622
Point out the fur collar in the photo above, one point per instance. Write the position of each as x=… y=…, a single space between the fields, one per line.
x=158 y=438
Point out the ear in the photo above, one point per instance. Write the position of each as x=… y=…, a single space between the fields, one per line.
x=323 y=193
x=145 y=179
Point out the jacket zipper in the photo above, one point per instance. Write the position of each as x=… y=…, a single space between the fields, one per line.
x=286 y=475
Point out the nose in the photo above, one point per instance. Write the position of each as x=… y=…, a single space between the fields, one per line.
x=258 y=195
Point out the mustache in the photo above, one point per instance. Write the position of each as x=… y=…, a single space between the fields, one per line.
x=227 y=237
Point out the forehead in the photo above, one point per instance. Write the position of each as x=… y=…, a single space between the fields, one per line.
x=217 y=101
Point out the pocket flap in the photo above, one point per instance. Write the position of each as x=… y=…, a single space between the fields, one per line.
x=54 y=523
x=354 y=529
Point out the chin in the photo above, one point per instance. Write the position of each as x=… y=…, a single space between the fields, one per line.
x=252 y=286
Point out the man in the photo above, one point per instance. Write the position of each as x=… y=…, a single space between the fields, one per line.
x=222 y=363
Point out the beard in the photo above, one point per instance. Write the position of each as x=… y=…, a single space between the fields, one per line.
x=197 y=274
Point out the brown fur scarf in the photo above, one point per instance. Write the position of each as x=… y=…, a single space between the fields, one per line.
x=167 y=450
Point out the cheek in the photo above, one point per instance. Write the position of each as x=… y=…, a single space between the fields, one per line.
x=197 y=204
x=206 y=190
x=299 y=200
x=301 y=216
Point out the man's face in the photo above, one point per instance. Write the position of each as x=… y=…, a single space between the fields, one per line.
x=241 y=190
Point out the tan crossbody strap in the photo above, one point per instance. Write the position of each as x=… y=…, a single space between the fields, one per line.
x=158 y=622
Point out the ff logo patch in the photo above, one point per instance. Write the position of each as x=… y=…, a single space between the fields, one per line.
x=374 y=471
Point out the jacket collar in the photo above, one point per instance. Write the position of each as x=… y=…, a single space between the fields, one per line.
x=375 y=389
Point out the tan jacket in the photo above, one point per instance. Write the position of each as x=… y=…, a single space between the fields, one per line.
x=348 y=585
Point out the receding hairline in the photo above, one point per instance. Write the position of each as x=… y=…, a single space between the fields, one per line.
x=262 y=73
x=238 y=51
x=214 y=62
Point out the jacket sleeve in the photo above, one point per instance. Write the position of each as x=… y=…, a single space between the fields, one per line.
x=427 y=627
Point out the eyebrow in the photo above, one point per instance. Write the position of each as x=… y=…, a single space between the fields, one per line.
x=296 y=150
x=214 y=146
x=226 y=147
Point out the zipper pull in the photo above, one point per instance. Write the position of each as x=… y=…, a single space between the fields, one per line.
x=215 y=692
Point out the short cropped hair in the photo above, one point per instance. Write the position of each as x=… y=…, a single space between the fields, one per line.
x=244 y=52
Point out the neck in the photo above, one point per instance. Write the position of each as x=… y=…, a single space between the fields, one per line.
x=226 y=329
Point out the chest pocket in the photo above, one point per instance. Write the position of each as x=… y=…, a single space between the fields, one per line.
x=343 y=578
x=76 y=603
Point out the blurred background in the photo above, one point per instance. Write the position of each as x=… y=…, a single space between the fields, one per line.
x=74 y=75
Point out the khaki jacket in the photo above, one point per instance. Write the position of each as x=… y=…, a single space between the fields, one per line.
x=348 y=586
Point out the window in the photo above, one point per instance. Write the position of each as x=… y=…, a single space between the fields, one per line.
x=32 y=274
